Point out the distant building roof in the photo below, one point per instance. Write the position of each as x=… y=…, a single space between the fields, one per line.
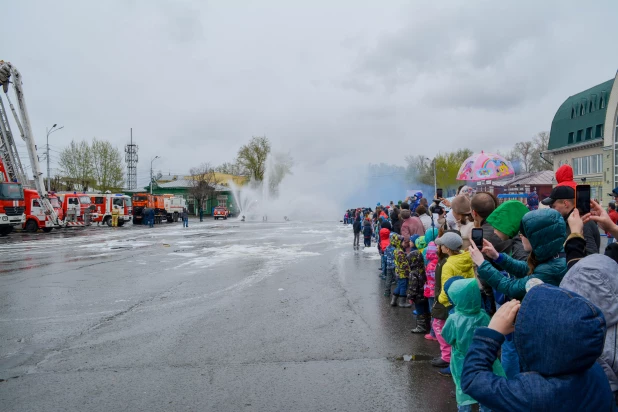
x=545 y=177
x=581 y=117
x=187 y=183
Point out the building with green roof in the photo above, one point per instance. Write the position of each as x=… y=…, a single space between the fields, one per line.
x=584 y=134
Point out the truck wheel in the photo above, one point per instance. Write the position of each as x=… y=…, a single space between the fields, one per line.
x=170 y=218
x=31 y=226
x=175 y=216
x=47 y=229
x=120 y=222
x=108 y=221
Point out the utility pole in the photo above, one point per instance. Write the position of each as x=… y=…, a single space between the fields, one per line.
x=50 y=131
x=130 y=159
x=151 y=179
x=435 y=176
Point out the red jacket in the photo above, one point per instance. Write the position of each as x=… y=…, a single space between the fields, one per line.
x=385 y=238
x=564 y=176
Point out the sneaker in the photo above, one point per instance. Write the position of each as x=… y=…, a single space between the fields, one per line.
x=440 y=363
x=430 y=337
x=419 y=329
x=446 y=371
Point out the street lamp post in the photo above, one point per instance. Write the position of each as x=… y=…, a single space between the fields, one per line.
x=153 y=159
x=50 y=131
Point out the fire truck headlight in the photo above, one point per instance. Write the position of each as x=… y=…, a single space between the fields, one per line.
x=5 y=218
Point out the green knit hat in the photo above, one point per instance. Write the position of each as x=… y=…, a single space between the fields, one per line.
x=507 y=217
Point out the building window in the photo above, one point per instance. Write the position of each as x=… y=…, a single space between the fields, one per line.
x=589 y=133
x=599 y=131
x=579 y=135
x=572 y=113
x=602 y=103
x=570 y=138
x=581 y=110
x=588 y=165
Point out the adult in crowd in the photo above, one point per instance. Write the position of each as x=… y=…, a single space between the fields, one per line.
x=594 y=278
x=410 y=225
x=461 y=210
x=562 y=199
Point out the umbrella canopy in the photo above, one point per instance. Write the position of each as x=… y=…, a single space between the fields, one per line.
x=485 y=166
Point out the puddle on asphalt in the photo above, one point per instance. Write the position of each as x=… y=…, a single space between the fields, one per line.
x=414 y=358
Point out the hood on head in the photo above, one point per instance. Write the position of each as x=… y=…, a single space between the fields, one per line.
x=396 y=240
x=431 y=234
x=558 y=332
x=448 y=284
x=564 y=176
x=594 y=278
x=466 y=296
x=546 y=231
x=386 y=225
x=405 y=214
x=394 y=216
x=384 y=234
x=420 y=242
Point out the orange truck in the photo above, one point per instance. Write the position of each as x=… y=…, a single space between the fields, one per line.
x=12 y=204
x=36 y=218
x=166 y=207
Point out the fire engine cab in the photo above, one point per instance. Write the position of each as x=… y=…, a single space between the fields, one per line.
x=104 y=204
x=36 y=218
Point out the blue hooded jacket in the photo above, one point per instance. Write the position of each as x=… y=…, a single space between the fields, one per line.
x=558 y=336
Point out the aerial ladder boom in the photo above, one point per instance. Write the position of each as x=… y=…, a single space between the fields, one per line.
x=8 y=150
x=7 y=70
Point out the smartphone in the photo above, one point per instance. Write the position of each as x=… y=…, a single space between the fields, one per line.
x=439 y=193
x=582 y=199
x=477 y=237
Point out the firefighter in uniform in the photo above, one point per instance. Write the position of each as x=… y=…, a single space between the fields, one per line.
x=115 y=213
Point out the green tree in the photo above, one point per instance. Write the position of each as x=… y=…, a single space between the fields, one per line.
x=76 y=165
x=252 y=157
x=447 y=166
x=106 y=165
x=419 y=169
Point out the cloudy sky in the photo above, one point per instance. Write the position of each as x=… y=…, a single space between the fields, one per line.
x=334 y=82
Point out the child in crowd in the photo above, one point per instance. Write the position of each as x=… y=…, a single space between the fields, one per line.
x=452 y=262
x=385 y=233
x=458 y=262
x=459 y=330
x=558 y=335
x=431 y=261
x=402 y=270
x=416 y=286
x=367 y=232
x=389 y=254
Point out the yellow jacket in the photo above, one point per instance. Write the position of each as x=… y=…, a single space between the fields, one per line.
x=456 y=265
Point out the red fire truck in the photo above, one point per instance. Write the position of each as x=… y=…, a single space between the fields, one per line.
x=104 y=204
x=36 y=218
x=11 y=203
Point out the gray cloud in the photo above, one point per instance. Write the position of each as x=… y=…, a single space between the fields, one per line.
x=337 y=84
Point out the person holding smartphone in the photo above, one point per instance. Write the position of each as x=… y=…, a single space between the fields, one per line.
x=562 y=199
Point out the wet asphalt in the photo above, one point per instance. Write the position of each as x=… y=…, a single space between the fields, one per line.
x=221 y=316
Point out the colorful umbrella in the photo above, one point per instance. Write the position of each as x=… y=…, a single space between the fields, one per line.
x=485 y=166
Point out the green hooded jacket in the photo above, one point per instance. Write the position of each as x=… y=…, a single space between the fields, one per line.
x=459 y=330
x=546 y=231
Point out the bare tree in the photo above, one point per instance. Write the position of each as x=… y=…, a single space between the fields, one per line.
x=419 y=169
x=230 y=168
x=203 y=184
x=253 y=155
x=76 y=165
x=541 y=143
x=107 y=165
